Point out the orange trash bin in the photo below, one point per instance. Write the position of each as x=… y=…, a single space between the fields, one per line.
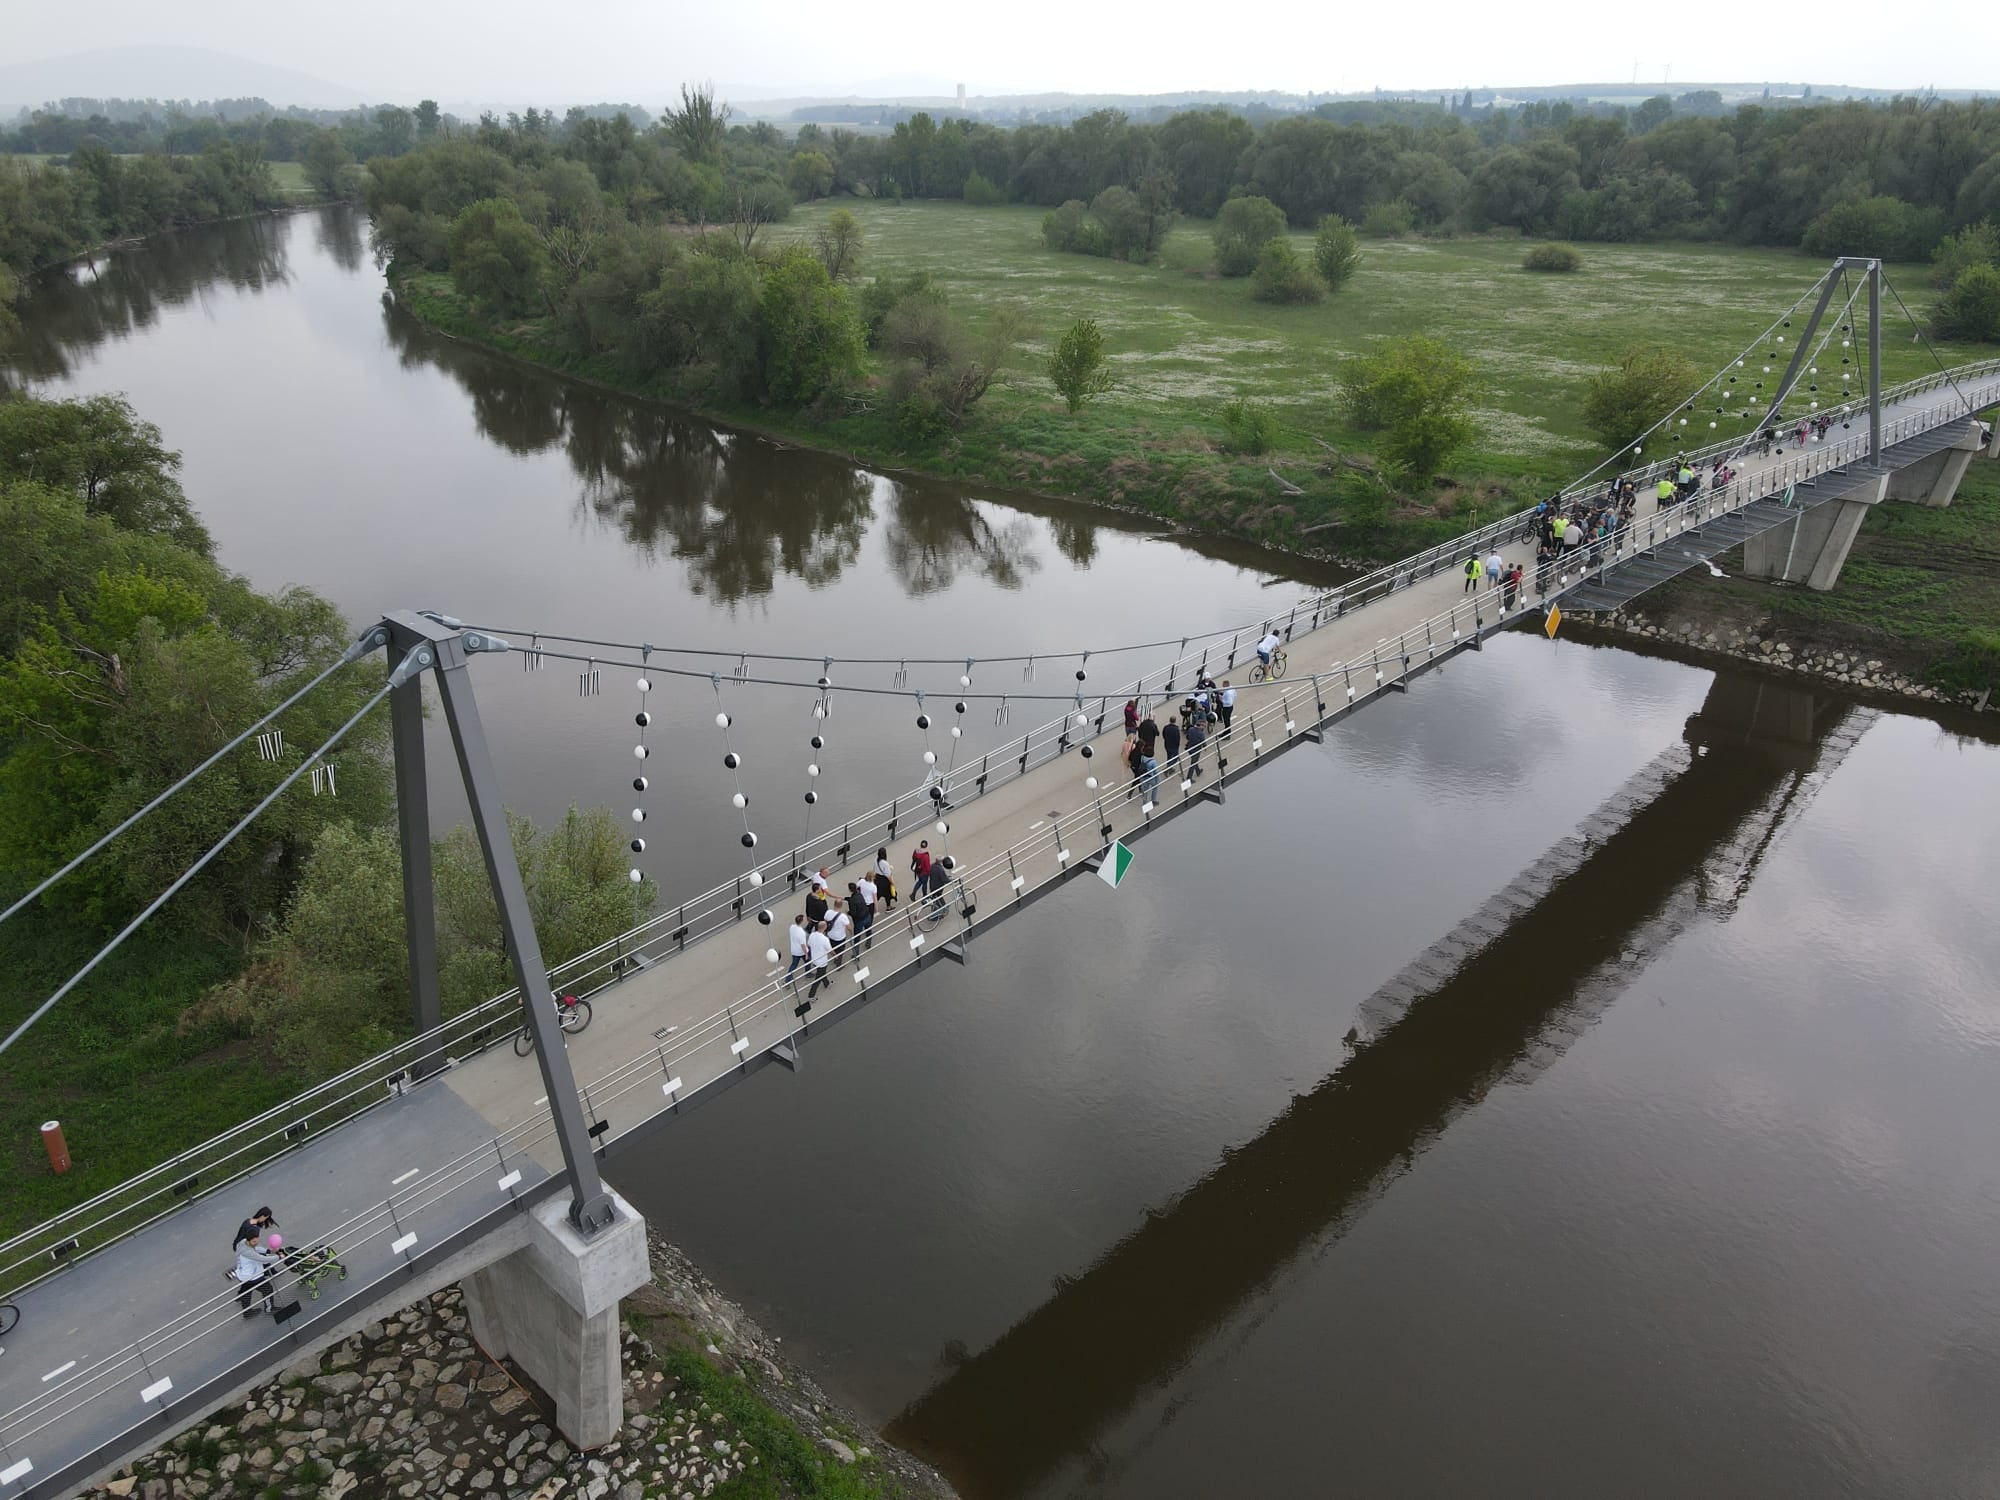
x=58 y=1148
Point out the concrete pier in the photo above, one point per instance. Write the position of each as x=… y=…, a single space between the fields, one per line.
x=552 y=1307
x=1813 y=549
x=1934 y=481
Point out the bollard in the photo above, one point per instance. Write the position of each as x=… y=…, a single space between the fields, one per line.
x=58 y=1148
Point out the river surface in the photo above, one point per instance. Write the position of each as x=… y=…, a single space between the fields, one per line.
x=1679 y=1181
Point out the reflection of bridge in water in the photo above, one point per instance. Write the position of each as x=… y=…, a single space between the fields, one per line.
x=1496 y=999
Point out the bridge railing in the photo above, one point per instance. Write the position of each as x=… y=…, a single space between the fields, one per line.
x=765 y=1015
x=49 y=1247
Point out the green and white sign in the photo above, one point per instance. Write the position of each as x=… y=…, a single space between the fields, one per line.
x=1117 y=860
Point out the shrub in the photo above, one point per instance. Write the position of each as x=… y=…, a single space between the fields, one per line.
x=811 y=339
x=882 y=294
x=1335 y=254
x=1971 y=309
x=1242 y=230
x=1648 y=383
x=1552 y=257
x=497 y=259
x=1975 y=245
x=1283 y=276
x=1067 y=227
x=1251 y=428
x=983 y=193
x=1418 y=392
x=1887 y=227
x=1388 y=221
x=1077 y=367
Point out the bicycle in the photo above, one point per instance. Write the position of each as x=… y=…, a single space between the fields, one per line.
x=9 y=1316
x=934 y=909
x=1262 y=673
x=572 y=1015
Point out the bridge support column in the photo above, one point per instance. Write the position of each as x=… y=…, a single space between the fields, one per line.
x=1813 y=548
x=553 y=1307
x=1934 y=481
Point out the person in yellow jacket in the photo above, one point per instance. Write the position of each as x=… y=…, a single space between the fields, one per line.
x=1474 y=569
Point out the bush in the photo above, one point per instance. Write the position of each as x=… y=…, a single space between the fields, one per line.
x=1071 y=228
x=497 y=258
x=1077 y=367
x=1418 y=392
x=882 y=294
x=1971 y=309
x=1388 y=221
x=1242 y=230
x=1335 y=254
x=1282 y=276
x=983 y=193
x=1975 y=245
x=1552 y=257
x=810 y=337
x=1251 y=428
x=1885 y=227
x=1624 y=402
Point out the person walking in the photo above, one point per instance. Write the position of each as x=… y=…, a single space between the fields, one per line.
x=839 y=928
x=1513 y=587
x=865 y=897
x=1131 y=715
x=815 y=905
x=920 y=869
x=253 y=1228
x=1149 y=736
x=819 y=950
x=1496 y=569
x=798 y=941
x=257 y=1267
x=1134 y=756
x=1473 y=568
x=1170 y=737
x=1226 y=699
x=885 y=880
x=1197 y=736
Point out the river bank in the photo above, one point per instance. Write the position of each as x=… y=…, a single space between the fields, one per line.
x=411 y=1407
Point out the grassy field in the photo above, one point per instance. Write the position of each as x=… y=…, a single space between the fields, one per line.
x=291 y=178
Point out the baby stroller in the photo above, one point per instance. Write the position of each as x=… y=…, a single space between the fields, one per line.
x=310 y=1267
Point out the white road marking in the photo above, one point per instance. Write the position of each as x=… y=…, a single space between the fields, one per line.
x=57 y=1371
x=406 y=1177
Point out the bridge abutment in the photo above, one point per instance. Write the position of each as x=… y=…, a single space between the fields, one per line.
x=1934 y=480
x=552 y=1306
x=1813 y=549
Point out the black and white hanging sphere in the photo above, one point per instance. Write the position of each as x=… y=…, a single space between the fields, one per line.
x=942 y=826
x=770 y=955
x=958 y=707
x=930 y=757
x=732 y=760
x=722 y=721
x=811 y=798
x=638 y=815
x=956 y=731
x=937 y=794
x=638 y=846
x=642 y=718
x=949 y=864
x=1080 y=674
x=923 y=721
x=638 y=752
x=749 y=840
x=756 y=879
x=964 y=681
x=636 y=877
x=1086 y=752
x=644 y=685
x=639 y=783
x=819 y=742
x=826 y=682
x=739 y=800
x=813 y=771
x=1090 y=782
x=764 y=918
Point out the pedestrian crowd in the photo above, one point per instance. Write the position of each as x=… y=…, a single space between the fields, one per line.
x=831 y=927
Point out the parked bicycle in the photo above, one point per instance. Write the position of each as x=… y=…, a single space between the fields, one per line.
x=572 y=1015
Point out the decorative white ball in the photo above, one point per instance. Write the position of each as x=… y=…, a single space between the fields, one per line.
x=638 y=815
x=956 y=731
x=637 y=877
x=722 y=721
x=770 y=955
x=1090 y=782
x=964 y=681
x=756 y=879
x=943 y=827
x=1083 y=721
x=930 y=757
x=739 y=800
x=812 y=771
x=645 y=685
x=638 y=752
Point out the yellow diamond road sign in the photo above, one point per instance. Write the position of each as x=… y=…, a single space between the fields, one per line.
x=1555 y=618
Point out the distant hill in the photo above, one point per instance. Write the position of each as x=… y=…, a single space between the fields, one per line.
x=190 y=73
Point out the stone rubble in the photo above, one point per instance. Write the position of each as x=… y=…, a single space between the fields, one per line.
x=411 y=1408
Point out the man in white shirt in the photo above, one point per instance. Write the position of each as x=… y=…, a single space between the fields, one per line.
x=1496 y=569
x=798 y=936
x=865 y=895
x=1267 y=646
x=1226 y=700
x=819 y=948
x=839 y=927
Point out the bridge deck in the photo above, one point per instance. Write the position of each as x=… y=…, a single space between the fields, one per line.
x=420 y=1168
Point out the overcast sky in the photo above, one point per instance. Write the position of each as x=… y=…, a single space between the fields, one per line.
x=589 y=50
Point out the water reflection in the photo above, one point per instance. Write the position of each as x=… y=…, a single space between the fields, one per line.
x=1046 y=1393
x=337 y=232
x=76 y=310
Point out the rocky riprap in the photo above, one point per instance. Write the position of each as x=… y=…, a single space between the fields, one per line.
x=410 y=1407
x=1852 y=669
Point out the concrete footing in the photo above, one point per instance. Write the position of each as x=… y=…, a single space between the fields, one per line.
x=552 y=1306
x=1934 y=480
x=1814 y=547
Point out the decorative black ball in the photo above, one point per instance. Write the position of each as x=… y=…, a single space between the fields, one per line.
x=819 y=742
x=923 y=721
x=638 y=846
x=763 y=919
x=638 y=783
x=937 y=794
x=1087 y=752
x=642 y=718
x=958 y=707
x=732 y=760
x=749 y=841
x=949 y=863
x=811 y=798
x=1081 y=674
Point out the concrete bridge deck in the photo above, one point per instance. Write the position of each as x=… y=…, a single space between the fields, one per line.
x=411 y=1186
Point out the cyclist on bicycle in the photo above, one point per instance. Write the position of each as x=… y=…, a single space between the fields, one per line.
x=1267 y=648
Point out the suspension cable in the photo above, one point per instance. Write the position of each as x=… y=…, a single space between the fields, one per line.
x=1935 y=359
x=196 y=868
x=362 y=645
